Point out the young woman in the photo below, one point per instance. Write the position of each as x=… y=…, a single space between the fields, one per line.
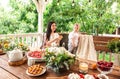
x=51 y=37
x=73 y=39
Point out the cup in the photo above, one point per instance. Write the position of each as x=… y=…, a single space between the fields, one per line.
x=30 y=62
x=83 y=67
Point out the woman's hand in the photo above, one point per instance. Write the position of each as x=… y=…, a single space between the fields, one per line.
x=57 y=40
x=60 y=37
x=48 y=43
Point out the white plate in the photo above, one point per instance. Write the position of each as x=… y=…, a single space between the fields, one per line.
x=43 y=71
x=105 y=76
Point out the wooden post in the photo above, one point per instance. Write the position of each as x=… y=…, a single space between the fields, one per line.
x=40 y=22
x=40 y=5
x=116 y=31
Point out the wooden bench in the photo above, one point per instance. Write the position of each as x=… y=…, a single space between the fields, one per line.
x=101 y=42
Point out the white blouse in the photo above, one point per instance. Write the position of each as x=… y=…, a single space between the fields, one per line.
x=54 y=36
x=75 y=36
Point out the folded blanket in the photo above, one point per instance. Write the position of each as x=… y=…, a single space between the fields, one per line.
x=86 y=49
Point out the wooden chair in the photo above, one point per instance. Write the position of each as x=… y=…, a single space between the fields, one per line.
x=64 y=39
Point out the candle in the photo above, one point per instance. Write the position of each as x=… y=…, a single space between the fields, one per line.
x=83 y=67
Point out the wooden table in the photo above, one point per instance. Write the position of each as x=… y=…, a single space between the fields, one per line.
x=19 y=72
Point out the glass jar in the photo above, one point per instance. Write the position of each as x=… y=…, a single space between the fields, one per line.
x=83 y=67
x=30 y=62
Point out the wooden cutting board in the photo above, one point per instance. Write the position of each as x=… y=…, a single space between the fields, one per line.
x=63 y=77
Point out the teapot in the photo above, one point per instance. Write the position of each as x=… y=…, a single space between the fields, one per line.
x=15 y=55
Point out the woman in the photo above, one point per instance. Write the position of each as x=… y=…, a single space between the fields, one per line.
x=73 y=39
x=52 y=38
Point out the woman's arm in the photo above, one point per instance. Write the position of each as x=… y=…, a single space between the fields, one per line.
x=56 y=39
x=59 y=39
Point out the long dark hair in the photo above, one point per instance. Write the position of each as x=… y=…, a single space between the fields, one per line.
x=48 y=32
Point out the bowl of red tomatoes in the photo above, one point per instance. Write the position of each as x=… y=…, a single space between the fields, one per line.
x=36 y=55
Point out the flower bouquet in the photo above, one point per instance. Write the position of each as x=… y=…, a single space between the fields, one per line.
x=58 y=58
x=23 y=47
x=4 y=44
x=8 y=44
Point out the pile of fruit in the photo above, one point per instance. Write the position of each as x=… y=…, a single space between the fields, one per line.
x=104 y=65
x=35 y=54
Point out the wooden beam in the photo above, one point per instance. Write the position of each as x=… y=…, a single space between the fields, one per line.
x=40 y=5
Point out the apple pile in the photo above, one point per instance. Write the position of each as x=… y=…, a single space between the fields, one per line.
x=104 y=65
x=35 y=54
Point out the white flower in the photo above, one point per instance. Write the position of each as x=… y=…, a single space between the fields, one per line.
x=87 y=76
x=52 y=49
x=52 y=57
x=60 y=50
x=73 y=76
x=70 y=54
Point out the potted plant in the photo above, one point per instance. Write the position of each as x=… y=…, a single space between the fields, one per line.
x=58 y=58
x=114 y=46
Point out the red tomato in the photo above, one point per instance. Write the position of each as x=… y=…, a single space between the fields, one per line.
x=81 y=76
x=36 y=54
